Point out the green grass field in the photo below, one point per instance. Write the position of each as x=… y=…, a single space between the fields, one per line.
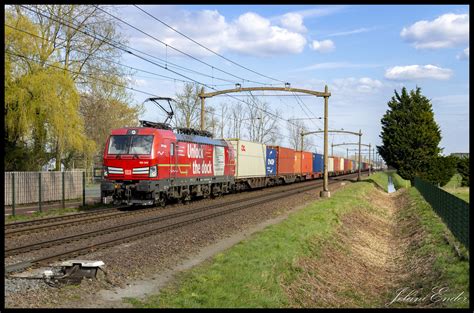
x=454 y=187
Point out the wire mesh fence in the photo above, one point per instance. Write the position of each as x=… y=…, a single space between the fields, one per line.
x=23 y=188
x=452 y=210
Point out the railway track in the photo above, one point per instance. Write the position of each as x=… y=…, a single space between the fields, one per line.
x=41 y=221
x=224 y=209
x=28 y=227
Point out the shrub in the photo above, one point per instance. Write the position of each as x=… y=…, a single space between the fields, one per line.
x=439 y=170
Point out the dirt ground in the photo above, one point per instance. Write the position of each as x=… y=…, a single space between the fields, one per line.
x=360 y=265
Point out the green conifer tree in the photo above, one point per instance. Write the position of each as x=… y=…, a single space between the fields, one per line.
x=410 y=135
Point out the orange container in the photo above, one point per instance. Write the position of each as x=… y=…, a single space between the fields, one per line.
x=297 y=163
x=285 y=160
x=306 y=163
x=337 y=165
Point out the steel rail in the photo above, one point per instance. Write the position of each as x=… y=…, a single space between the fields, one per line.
x=113 y=242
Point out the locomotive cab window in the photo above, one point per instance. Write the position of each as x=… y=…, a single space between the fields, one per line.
x=130 y=144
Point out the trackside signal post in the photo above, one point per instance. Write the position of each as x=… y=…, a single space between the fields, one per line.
x=326 y=94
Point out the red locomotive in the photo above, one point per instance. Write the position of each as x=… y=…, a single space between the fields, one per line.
x=148 y=165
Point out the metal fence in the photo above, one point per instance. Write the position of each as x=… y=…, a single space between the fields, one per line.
x=41 y=187
x=452 y=210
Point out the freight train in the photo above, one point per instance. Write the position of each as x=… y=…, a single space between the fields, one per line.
x=152 y=164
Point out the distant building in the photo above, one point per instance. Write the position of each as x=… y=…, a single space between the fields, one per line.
x=51 y=166
x=461 y=154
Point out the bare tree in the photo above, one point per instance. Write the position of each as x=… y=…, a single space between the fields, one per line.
x=187 y=108
x=296 y=127
x=225 y=119
x=211 y=120
x=263 y=126
x=237 y=116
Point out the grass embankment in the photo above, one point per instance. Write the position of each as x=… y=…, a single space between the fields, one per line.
x=250 y=273
x=358 y=248
x=381 y=179
x=454 y=187
x=398 y=181
x=431 y=258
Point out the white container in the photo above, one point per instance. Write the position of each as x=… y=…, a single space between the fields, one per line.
x=330 y=164
x=341 y=165
x=250 y=158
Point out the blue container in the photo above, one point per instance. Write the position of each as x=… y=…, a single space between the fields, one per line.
x=270 y=162
x=317 y=163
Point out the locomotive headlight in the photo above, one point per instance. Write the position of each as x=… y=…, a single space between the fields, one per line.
x=106 y=171
x=153 y=171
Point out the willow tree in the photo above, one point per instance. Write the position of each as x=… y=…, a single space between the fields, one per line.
x=74 y=38
x=41 y=102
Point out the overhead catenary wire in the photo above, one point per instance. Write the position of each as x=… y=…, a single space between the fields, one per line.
x=176 y=49
x=121 y=47
x=118 y=46
x=201 y=45
x=114 y=62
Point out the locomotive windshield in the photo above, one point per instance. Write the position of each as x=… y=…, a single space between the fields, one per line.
x=130 y=144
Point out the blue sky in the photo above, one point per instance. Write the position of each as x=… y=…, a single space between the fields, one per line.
x=361 y=52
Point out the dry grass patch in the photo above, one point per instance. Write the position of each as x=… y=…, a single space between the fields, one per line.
x=359 y=264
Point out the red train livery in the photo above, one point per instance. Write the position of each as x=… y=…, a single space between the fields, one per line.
x=146 y=165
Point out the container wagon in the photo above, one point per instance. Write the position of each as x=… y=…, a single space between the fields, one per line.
x=318 y=164
x=331 y=166
x=250 y=164
x=337 y=166
x=341 y=166
x=285 y=159
x=303 y=165
x=347 y=166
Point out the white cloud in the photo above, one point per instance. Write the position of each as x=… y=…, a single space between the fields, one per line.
x=413 y=72
x=249 y=34
x=293 y=22
x=351 y=32
x=334 y=65
x=464 y=55
x=360 y=85
x=445 y=31
x=323 y=46
x=254 y=34
x=323 y=11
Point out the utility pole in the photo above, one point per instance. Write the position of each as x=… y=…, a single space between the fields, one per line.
x=202 y=108
x=325 y=192
x=302 y=140
x=347 y=153
x=332 y=149
x=369 y=159
x=360 y=137
x=222 y=121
